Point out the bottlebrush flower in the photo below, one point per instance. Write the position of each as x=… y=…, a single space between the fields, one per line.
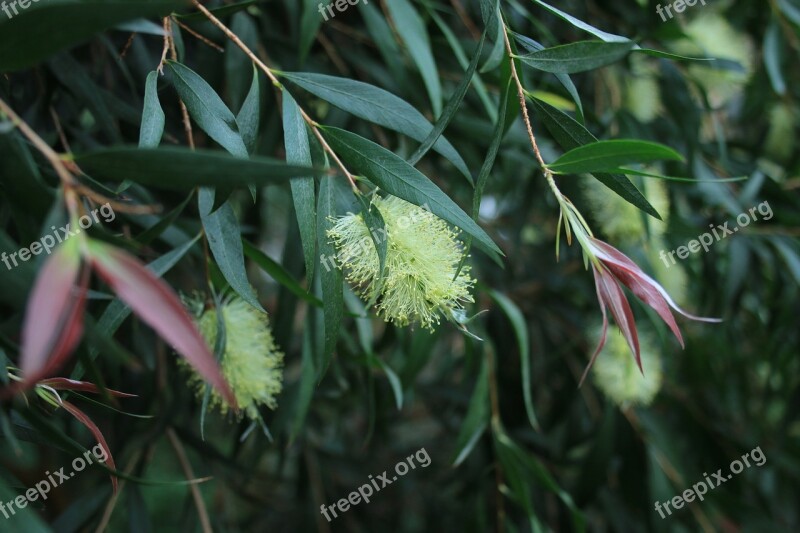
x=422 y=258
x=251 y=363
x=618 y=376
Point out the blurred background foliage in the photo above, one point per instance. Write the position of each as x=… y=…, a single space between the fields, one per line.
x=515 y=444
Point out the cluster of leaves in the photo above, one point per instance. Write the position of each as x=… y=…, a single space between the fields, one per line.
x=253 y=124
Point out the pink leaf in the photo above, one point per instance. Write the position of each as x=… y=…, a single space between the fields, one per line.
x=54 y=316
x=91 y=426
x=603 y=333
x=158 y=305
x=613 y=295
x=648 y=288
x=83 y=386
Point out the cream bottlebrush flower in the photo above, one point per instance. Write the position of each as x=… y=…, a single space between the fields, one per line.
x=252 y=364
x=422 y=255
x=617 y=375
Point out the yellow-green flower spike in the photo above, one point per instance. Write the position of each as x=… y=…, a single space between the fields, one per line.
x=616 y=374
x=252 y=364
x=422 y=257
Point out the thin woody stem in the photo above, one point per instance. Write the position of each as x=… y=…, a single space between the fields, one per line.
x=169 y=44
x=524 y=107
x=52 y=157
x=268 y=71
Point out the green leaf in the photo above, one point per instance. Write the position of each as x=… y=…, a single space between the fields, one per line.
x=376 y=105
x=298 y=151
x=458 y=52
x=520 y=327
x=411 y=28
x=395 y=176
x=305 y=391
x=238 y=65
x=394 y=381
x=207 y=109
x=310 y=22
x=450 y=109
x=532 y=46
x=278 y=273
x=52 y=25
x=331 y=275
x=773 y=54
x=181 y=168
x=153 y=118
x=605 y=36
x=570 y=134
x=577 y=57
x=604 y=156
x=477 y=417
x=225 y=240
x=249 y=118
x=527 y=469
x=376 y=226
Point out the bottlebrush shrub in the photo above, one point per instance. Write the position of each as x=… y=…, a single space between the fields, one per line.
x=238 y=143
x=421 y=281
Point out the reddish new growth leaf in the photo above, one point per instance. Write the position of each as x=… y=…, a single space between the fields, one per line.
x=91 y=426
x=81 y=386
x=612 y=269
x=54 y=316
x=158 y=305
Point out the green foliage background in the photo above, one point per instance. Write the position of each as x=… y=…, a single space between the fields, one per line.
x=572 y=459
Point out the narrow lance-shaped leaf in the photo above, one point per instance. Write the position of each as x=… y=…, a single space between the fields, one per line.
x=570 y=134
x=577 y=57
x=249 y=117
x=412 y=31
x=225 y=240
x=158 y=306
x=378 y=106
x=207 y=109
x=153 y=118
x=81 y=386
x=643 y=286
x=477 y=417
x=451 y=108
x=54 y=316
x=92 y=427
x=298 y=151
x=605 y=156
x=330 y=273
x=613 y=296
x=520 y=326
